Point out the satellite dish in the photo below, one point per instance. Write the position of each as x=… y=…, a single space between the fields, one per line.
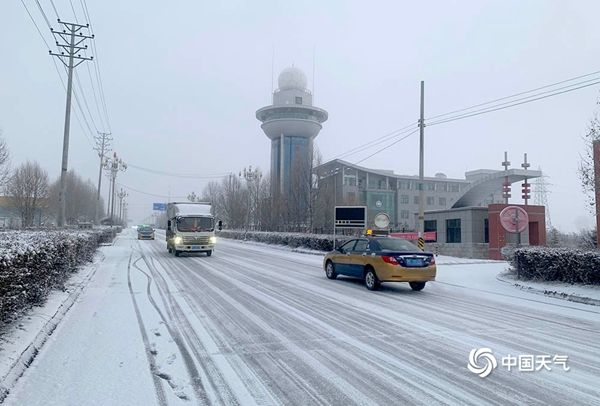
x=382 y=220
x=514 y=219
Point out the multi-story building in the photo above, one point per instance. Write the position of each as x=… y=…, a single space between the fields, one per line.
x=398 y=195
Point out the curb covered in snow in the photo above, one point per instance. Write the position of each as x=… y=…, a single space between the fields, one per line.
x=24 y=360
x=571 y=297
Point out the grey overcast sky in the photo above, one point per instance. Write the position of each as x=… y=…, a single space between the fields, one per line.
x=183 y=80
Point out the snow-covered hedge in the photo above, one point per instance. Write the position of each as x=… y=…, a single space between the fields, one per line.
x=557 y=264
x=320 y=242
x=32 y=263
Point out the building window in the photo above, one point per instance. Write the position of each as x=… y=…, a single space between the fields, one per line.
x=442 y=187
x=404 y=214
x=431 y=186
x=416 y=199
x=486 y=230
x=298 y=100
x=443 y=201
x=430 y=200
x=404 y=199
x=453 y=187
x=453 y=231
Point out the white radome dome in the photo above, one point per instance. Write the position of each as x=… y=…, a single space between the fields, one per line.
x=292 y=78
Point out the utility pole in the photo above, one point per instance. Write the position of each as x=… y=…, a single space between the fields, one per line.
x=421 y=226
x=114 y=165
x=70 y=40
x=102 y=147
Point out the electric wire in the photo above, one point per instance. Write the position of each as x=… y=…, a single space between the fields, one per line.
x=502 y=106
x=513 y=95
x=150 y=194
x=54 y=60
x=375 y=142
x=387 y=146
x=179 y=175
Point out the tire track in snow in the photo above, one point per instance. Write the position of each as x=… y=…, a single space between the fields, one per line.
x=160 y=393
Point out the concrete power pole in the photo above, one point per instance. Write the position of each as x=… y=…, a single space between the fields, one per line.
x=102 y=147
x=421 y=225
x=596 y=155
x=70 y=40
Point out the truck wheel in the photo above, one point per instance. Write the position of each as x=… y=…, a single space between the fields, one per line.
x=177 y=252
x=169 y=249
x=208 y=253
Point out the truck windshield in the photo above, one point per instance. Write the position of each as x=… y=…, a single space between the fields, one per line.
x=195 y=224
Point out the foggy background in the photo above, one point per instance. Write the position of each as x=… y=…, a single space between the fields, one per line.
x=183 y=80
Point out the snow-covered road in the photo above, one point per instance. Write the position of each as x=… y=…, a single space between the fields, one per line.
x=261 y=325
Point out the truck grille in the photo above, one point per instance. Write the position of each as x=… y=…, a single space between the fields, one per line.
x=196 y=240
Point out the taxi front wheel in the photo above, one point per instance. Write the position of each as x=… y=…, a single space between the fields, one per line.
x=417 y=285
x=330 y=270
x=371 y=280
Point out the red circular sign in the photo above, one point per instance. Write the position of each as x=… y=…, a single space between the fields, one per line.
x=514 y=219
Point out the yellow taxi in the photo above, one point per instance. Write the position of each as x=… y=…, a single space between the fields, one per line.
x=381 y=259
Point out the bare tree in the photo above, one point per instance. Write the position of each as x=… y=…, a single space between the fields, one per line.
x=586 y=165
x=28 y=187
x=80 y=199
x=4 y=162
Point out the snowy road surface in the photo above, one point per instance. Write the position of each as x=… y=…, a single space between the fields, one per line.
x=260 y=325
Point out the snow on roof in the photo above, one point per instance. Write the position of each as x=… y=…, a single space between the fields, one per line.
x=190 y=209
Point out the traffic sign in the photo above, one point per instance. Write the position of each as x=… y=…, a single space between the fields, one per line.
x=350 y=216
x=159 y=206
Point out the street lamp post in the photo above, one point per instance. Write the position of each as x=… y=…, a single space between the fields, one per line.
x=114 y=165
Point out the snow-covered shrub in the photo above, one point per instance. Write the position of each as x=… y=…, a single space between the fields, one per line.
x=32 y=263
x=557 y=264
x=319 y=242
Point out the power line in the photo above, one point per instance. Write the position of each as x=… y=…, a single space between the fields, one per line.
x=375 y=142
x=491 y=109
x=387 y=146
x=180 y=175
x=43 y=13
x=513 y=95
x=151 y=194
x=53 y=60
x=97 y=66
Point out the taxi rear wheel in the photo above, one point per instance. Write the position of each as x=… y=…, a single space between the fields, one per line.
x=371 y=280
x=417 y=285
x=330 y=270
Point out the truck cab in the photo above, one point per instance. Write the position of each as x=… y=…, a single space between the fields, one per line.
x=190 y=228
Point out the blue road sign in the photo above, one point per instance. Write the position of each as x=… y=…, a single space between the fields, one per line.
x=159 y=206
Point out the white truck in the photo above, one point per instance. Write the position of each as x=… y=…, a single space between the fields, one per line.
x=190 y=228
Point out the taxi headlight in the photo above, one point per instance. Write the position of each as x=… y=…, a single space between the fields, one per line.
x=213 y=240
x=178 y=240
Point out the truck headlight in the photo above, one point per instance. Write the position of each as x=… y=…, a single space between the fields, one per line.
x=178 y=240
x=213 y=240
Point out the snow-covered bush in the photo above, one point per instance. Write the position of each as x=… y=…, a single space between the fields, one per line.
x=32 y=263
x=319 y=242
x=557 y=264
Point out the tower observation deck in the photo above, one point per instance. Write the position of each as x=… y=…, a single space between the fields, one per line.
x=292 y=123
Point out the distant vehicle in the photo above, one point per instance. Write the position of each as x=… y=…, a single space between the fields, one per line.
x=381 y=259
x=145 y=232
x=190 y=228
